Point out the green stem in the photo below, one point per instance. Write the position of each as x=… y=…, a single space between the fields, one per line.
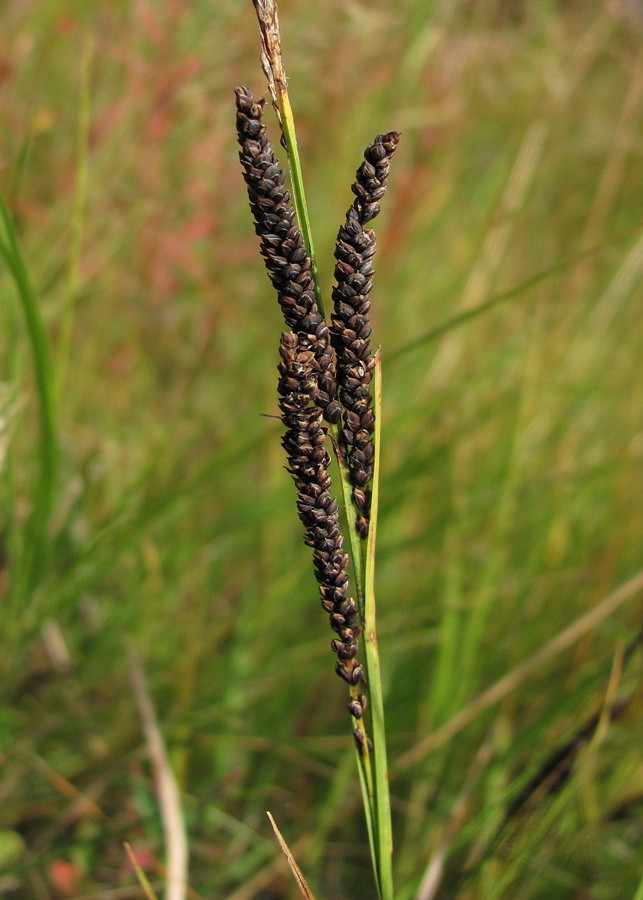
x=384 y=832
x=357 y=551
x=45 y=486
x=77 y=218
x=297 y=182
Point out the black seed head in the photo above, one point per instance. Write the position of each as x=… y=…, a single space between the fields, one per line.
x=350 y=329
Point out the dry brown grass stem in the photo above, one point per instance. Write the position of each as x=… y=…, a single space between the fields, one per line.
x=176 y=848
x=271 y=61
x=304 y=890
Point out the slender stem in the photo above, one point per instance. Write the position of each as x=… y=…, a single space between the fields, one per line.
x=43 y=496
x=297 y=182
x=357 y=552
x=78 y=215
x=368 y=800
x=384 y=830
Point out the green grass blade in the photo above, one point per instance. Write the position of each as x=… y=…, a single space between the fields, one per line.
x=368 y=800
x=297 y=182
x=78 y=214
x=356 y=544
x=384 y=836
x=639 y=890
x=301 y=208
x=43 y=496
x=468 y=314
x=146 y=887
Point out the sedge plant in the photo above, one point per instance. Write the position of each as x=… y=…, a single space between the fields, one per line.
x=330 y=396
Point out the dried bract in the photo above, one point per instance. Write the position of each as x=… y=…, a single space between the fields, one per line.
x=270 y=48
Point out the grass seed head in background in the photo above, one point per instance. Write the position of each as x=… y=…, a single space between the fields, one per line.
x=351 y=329
x=282 y=246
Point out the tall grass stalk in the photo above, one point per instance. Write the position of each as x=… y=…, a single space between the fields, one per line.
x=34 y=547
x=372 y=764
x=78 y=213
x=382 y=804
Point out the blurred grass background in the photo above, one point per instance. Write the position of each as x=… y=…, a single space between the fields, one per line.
x=512 y=447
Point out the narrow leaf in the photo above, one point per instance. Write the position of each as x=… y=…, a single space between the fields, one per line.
x=380 y=767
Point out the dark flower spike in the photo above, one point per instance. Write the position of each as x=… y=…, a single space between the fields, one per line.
x=308 y=460
x=351 y=329
x=282 y=246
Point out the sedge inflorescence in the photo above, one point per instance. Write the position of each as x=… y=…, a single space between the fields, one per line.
x=282 y=246
x=351 y=328
x=323 y=373
x=308 y=460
